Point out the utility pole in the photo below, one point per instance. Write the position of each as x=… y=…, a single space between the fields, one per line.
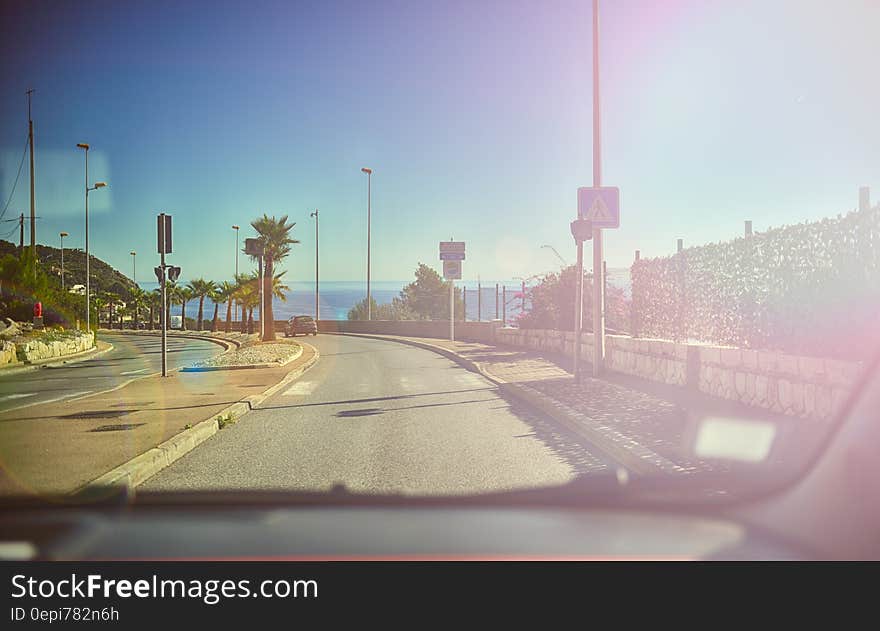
x=33 y=204
x=369 y=173
x=317 y=303
x=162 y=249
x=21 y=235
x=598 y=276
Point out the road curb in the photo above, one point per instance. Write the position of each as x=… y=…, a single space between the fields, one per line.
x=630 y=454
x=144 y=466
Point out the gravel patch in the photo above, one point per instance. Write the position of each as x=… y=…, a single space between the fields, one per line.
x=271 y=352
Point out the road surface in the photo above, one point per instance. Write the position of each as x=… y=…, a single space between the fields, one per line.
x=383 y=417
x=132 y=356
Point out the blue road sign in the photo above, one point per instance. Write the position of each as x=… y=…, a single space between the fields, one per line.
x=452 y=256
x=600 y=206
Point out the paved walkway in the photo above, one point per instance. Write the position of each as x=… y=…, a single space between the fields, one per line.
x=58 y=447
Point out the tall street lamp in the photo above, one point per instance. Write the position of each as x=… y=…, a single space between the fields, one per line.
x=317 y=308
x=62 y=235
x=133 y=267
x=236 y=228
x=85 y=147
x=235 y=278
x=369 y=173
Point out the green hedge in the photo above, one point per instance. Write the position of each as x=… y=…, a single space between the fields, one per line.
x=811 y=288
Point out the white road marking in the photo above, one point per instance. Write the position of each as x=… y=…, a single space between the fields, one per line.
x=69 y=395
x=469 y=379
x=18 y=396
x=134 y=372
x=301 y=388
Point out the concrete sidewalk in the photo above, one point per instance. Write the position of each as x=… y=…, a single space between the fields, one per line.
x=646 y=426
x=59 y=447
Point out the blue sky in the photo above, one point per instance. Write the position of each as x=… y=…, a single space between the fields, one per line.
x=475 y=116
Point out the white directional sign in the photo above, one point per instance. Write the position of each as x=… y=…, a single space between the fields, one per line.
x=600 y=206
x=452 y=246
x=452 y=270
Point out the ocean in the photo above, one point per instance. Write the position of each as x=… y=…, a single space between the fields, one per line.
x=338 y=297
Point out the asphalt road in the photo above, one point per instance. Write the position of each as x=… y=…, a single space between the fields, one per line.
x=383 y=417
x=132 y=357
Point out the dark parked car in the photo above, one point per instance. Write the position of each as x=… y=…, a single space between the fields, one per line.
x=304 y=325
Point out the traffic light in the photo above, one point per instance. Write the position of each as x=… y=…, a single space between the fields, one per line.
x=158 y=272
x=173 y=273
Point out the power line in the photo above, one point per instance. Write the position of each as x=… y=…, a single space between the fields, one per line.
x=14 y=184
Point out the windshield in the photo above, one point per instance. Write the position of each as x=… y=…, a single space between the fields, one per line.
x=531 y=263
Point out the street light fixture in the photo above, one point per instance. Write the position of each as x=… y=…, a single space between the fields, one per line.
x=558 y=255
x=369 y=173
x=133 y=267
x=62 y=235
x=85 y=147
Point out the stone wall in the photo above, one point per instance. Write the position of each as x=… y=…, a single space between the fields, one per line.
x=470 y=331
x=807 y=387
x=34 y=350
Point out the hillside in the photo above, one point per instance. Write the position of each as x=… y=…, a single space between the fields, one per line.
x=103 y=277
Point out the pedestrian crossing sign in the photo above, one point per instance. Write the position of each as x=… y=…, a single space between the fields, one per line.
x=600 y=206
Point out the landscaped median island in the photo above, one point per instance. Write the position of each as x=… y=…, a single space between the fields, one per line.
x=260 y=355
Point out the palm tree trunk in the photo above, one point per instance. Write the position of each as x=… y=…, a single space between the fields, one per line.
x=250 y=321
x=214 y=321
x=267 y=315
x=152 y=315
x=229 y=315
x=183 y=315
x=200 y=319
x=243 y=324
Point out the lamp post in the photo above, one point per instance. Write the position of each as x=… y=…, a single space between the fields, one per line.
x=235 y=278
x=133 y=267
x=317 y=304
x=369 y=173
x=236 y=228
x=85 y=147
x=62 y=235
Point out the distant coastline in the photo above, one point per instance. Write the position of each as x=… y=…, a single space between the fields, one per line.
x=337 y=297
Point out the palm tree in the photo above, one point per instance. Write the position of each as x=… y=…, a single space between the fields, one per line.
x=100 y=303
x=154 y=301
x=279 y=289
x=243 y=283
x=111 y=300
x=217 y=298
x=138 y=301
x=275 y=236
x=225 y=292
x=201 y=288
x=172 y=296
x=185 y=294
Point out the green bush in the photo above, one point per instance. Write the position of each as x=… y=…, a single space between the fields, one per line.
x=553 y=304
x=811 y=288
